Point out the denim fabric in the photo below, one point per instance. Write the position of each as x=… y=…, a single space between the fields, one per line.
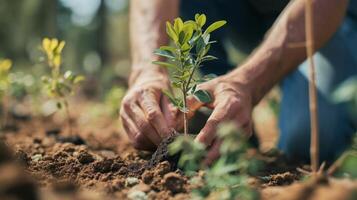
x=335 y=62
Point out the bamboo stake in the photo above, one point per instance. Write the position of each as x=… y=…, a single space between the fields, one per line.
x=309 y=31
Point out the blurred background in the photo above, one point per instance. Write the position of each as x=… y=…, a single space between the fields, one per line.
x=97 y=46
x=95 y=32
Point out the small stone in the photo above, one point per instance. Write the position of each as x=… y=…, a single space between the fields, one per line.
x=173 y=182
x=131 y=181
x=137 y=195
x=85 y=158
x=36 y=157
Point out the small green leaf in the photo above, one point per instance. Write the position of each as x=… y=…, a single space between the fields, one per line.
x=200 y=45
x=178 y=25
x=202 y=96
x=170 y=32
x=172 y=99
x=215 y=26
x=201 y=20
x=164 y=53
x=168 y=48
x=209 y=58
x=164 y=64
x=78 y=79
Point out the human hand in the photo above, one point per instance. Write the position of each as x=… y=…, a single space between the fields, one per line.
x=145 y=112
x=232 y=101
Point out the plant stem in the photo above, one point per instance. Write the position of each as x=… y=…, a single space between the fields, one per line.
x=185 y=120
x=68 y=116
x=309 y=31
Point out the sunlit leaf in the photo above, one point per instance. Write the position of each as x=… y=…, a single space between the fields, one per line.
x=170 y=32
x=215 y=26
x=164 y=64
x=178 y=25
x=164 y=53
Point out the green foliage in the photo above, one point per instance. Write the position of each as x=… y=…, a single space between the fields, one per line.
x=191 y=152
x=348 y=162
x=228 y=177
x=191 y=44
x=58 y=85
x=5 y=66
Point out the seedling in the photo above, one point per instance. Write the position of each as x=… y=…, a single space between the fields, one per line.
x=5 y=66
x=191 y=44
x=227 y=177
x=57 y=85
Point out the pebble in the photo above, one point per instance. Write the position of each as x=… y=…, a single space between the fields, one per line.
x=131 y=181
x=137 y=195
x=36 y=157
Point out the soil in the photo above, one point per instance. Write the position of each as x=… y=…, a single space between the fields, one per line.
x=40 y=160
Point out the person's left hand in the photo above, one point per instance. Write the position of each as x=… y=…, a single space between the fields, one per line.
x=231 y=102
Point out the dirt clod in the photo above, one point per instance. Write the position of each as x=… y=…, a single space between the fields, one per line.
x=174 y=182
x=85 y=158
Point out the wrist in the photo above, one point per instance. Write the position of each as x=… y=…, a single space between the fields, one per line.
x=258 y=75
x=148 y=72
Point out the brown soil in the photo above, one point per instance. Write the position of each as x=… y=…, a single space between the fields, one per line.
x=98 y=162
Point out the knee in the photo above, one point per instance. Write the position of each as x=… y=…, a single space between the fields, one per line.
x=335 y=137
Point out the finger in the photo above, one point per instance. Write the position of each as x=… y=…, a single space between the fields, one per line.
x=213 y=154
x=150 y=105
x=137 y=115
x=208 y=133
x=139 y=140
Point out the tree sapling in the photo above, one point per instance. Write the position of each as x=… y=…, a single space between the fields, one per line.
x=191 y=44
x=57 y=85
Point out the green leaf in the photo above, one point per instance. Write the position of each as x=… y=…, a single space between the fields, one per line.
x=182 y=38
x=215 y=26
x=202 y=96
x=78 y=79
x=209 y=58
x=172 y=99
x=170 y=32
x=178 y=25
x=164 y=64
x=201 y=20
x=168 y=48
x=188 y=34
x=200 y=45
x=164 y=53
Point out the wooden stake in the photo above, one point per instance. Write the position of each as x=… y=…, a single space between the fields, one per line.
x=309 y=31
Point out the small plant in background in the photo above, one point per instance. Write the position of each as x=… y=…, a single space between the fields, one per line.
x=58 y=85
x=189 y=52
x=5 y=66
x=228 y=177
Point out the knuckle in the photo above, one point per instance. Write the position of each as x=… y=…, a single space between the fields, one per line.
x=152 y=114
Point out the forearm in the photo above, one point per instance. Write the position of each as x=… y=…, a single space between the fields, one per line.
x=282 y=50
x=147 y=32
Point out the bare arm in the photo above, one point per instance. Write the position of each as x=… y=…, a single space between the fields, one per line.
x=147 y=32
x=283 y=49
x=144 y=111
x=236 y=93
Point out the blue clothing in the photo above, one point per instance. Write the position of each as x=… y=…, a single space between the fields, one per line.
x=336 y=61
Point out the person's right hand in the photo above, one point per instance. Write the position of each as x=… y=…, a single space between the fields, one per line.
x=142 y=109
